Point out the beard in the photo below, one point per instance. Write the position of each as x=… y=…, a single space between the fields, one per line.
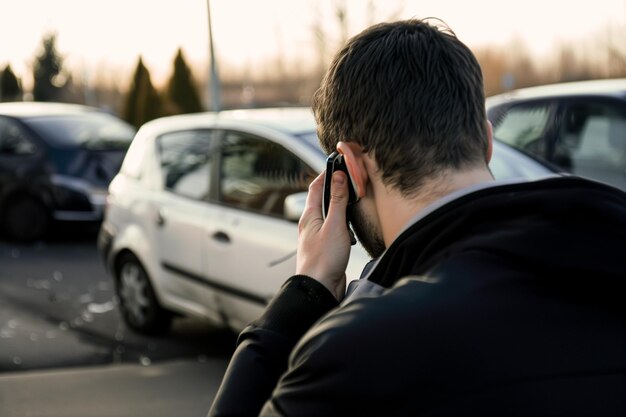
x=366 y=231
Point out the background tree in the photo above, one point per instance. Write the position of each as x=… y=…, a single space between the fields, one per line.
x=571 y=66
x=182 y=93
x=10 y=86
x=143 y=102
x=48 y=75
x=521 y=64
x=494 y=67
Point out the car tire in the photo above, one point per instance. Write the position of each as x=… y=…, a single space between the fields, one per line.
x=25 y=219
x=138 y=302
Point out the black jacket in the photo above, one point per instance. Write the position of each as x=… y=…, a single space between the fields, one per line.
x=507 y=301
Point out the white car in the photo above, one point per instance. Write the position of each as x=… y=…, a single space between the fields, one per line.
x=202 y=218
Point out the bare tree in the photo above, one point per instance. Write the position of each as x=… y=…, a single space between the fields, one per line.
x=341 y=13
x=571 y=66
x=494 y=67
x=320 y=39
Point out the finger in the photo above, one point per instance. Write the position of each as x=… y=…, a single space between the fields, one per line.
x=338 y=199
x=314 y=197
x=313 y=205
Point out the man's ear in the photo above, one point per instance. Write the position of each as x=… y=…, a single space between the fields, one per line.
x=490 y=139
x=353 y=156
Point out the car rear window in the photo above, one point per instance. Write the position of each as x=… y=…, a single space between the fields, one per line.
x=97 y=131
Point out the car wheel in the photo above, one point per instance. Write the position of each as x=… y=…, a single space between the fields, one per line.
x=26 y=219
x=140 y=308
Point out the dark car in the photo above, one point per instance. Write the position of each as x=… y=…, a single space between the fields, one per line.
x=579 y=127
x=56 y=162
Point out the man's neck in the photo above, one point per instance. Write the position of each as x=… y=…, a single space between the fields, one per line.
x=397 y=210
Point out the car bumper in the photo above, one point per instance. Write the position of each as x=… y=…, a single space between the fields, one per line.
x=77 y=216
x=76 y=200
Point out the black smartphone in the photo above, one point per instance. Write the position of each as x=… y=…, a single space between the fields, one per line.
x=333 y=163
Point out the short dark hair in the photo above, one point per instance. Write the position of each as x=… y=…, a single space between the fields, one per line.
x=410 y=93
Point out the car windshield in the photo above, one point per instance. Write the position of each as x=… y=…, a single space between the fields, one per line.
x=94 y=130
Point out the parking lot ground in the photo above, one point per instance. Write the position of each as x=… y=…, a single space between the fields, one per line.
x=57 y=309
x=181 y=388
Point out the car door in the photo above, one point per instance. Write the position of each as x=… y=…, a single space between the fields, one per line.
x=591 y=139
x=251 y=249
x=182 y=217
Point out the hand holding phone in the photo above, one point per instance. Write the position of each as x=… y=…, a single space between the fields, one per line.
x=333 y=163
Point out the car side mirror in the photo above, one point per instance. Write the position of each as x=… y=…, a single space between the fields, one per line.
x=294 y=206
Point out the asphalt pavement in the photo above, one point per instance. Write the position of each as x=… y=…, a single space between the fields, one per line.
x=178 y=388
x=64 y=350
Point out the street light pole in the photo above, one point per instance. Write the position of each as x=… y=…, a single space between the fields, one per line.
x=214 y=85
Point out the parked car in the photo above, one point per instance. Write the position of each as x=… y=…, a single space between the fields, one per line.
x=580 y=127
x=202 y=218
x=56 y=162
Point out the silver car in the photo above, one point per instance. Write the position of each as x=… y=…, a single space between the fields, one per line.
x=579 y=127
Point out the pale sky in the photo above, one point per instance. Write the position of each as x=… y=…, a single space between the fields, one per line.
x=106 y=37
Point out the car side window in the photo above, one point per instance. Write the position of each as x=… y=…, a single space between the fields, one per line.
x=13 y=140
x=592 y=140
x=257 y=174
x=185 y=158
x=523 y=127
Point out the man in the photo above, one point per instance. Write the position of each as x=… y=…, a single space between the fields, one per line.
x=486 y=298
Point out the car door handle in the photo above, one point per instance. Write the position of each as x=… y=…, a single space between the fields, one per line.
x=221 y=237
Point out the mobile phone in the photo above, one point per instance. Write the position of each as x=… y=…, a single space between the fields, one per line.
x=336 y=162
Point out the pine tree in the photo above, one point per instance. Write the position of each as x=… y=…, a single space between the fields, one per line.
x=143 y=102
x=47 y=71
x=182 y=94
x=10 y=85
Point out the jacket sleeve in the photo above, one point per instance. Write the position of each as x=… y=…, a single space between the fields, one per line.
x=264 y=347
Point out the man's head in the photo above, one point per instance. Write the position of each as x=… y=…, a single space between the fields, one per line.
x=411 y=95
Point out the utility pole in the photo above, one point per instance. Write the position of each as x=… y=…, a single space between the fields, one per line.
x=214 y=85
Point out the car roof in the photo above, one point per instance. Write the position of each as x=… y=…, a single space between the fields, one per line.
x=33 y=109
x=291 y=120
x=611 y=87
